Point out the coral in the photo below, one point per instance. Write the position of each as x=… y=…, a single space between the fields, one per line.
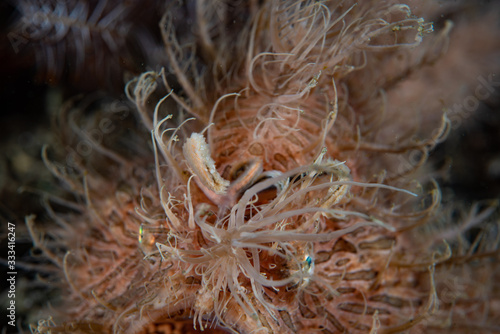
x=84 y=43
x=260 y=187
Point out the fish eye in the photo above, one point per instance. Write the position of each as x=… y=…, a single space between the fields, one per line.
x=237 y=170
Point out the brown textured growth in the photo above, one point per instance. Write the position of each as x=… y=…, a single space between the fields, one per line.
x=279 y=192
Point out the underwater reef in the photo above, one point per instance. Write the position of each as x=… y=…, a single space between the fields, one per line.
x=267 y=171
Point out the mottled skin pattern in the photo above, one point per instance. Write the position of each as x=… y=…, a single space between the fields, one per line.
x=314 y=232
